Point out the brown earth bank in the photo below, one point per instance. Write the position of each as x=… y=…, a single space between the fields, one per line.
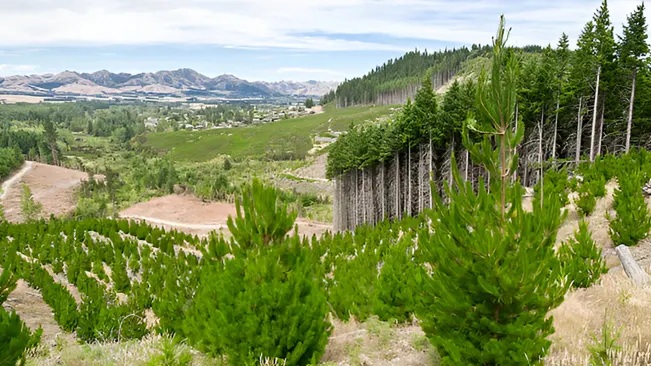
x=190 y=214
x=52 y=186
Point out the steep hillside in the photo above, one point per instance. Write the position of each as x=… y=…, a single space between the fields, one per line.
x=397 y=79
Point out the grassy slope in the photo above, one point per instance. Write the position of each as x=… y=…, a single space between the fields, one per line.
x=288 y=135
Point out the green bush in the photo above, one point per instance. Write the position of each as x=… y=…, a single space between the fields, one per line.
x=119 y=274
x=260 y=305
x=396 y=290
x=556 y=185
x=260 y=220
x=580 y=258
x=353 y=288
x=633 y=220
x=30 y=209
x=15 y=337
x=586 y=203
x=267 y=301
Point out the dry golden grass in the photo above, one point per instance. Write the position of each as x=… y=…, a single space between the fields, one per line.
x=378 y=343
x=147 y=351
x=582 y=314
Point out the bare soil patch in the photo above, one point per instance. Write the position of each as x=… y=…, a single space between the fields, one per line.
x=32 y=309
x=317 y=109
x=51 y=185
x=191 y=215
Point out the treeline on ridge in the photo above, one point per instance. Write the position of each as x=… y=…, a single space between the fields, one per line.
x=574 y=104
x=407 y=70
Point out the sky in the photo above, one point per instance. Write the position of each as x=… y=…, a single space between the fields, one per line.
x=268 y=40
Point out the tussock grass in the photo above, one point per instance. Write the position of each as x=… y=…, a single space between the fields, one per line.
x=580 y=319
x=154 y=349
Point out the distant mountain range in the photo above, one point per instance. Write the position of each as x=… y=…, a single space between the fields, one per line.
x=181 y=82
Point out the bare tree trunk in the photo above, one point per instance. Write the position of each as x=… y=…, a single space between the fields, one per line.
x=357 y=200
x=540 y=156
x=579 y=129
x=467 y=163
x=383 y=190
x=363 y=196
x=526 y=167
x=335 y=203
x=594 y=116
x=515 y=171
x=397 y=185
x=431 y=173
x=601 y=126
x=409 y=182
x=630 y=113
x=420 y=178
x=633 y=270
x=450 y=164
x=558 y=102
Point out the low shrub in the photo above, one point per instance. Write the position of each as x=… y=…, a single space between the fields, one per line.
x=581 y=260
x=633 y=220
x=259 y=305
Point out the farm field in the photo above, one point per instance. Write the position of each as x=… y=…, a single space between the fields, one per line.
x=286 y=138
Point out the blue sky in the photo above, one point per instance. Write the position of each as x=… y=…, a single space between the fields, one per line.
x=266 y=39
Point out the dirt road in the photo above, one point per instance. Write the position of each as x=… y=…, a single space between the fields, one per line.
x=9 y=182
x=52 y=186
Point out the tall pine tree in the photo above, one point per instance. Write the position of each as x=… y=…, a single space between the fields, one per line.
x=633 y=49
x=478 y=308
x=604 y=42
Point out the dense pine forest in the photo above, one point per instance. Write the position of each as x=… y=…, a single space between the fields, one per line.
x=404 y=74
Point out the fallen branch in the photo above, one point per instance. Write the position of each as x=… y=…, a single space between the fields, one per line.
x=639 y=277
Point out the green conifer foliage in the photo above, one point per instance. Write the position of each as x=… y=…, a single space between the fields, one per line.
x=586 y=203
x=261 y=219
x=258 y=305
x=29 y=208
x=15 y=337
x=269 y=300
x=582 y=261
x=555 y=184
x=633 y=220
x=119 y=275
x=494 y=273
x=395 y=293
x=353 y=288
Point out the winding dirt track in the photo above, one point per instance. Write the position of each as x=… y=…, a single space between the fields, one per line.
x=52 y=186
x=9 y=182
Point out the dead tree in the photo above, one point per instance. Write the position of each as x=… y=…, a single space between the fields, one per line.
x=594 y=116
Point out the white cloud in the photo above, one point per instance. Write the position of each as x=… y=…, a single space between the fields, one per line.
x=254 y=24
x=304 y=70
x=6 y=69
